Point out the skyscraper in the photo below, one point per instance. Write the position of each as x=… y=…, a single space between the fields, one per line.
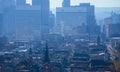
x=74 y=18
x=25 y=22
x=45 y=8
x=66 y=3
x=8 y=17
x=32 y=21
x=8 y=3
x=1 y=23
x=112 y=25
x=1 y=17
x=20 y=2
x=36 y=2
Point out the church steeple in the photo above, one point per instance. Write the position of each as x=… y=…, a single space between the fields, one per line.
x=46 y=64
x=46 y=56
x=98 y=40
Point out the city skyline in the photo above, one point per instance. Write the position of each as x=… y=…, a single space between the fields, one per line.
x=97 y=3
x=83 y=36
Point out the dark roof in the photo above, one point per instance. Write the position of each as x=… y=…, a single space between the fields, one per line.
x=99 y=63
x=80 y=55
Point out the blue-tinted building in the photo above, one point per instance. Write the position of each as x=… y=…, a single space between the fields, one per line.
x=28 y=22
x=66 y=3
x=1 y=23
x=112 y=24
x=69 y=18
x=1 y=18
x=45 y=9
x=22 y=21
x=20 y=2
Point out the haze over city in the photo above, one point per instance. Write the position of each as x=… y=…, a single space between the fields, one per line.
x=97 y=3
x=60 y=36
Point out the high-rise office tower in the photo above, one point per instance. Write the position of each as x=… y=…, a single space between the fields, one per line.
x=25 y=22
x=20 y=2
x=8 y=3
x=44 y=4
x=1 y=3
x=79 y=19
x=1 y=23
x=8 y=7
x=36 y=2
x=66 y=3
x=1 y=17
x=45 y=17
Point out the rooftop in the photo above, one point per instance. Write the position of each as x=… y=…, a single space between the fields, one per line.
x=72 y=9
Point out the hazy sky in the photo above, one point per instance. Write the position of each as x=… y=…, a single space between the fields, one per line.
x=97 y=3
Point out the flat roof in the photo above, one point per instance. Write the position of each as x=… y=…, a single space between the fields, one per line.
x=71 y=9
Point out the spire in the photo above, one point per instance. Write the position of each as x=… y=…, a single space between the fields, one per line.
x=30 y=51
x=98 y=40
x=30 y=55
x=46 y=56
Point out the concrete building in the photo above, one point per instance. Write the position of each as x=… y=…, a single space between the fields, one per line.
x=51 y=22
x=22 y=21
x=66 y=3
x=115 y=18
x=35 y=20
x=28 y=22
x=70 y=17
x=8 y=3
x=1 y=23
x=45 y=9
x=8 y=17
x=20 y=2
x=36 y=2
x=1 y=17
x=114 y=30
x=107 y=21
x=112 y=24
